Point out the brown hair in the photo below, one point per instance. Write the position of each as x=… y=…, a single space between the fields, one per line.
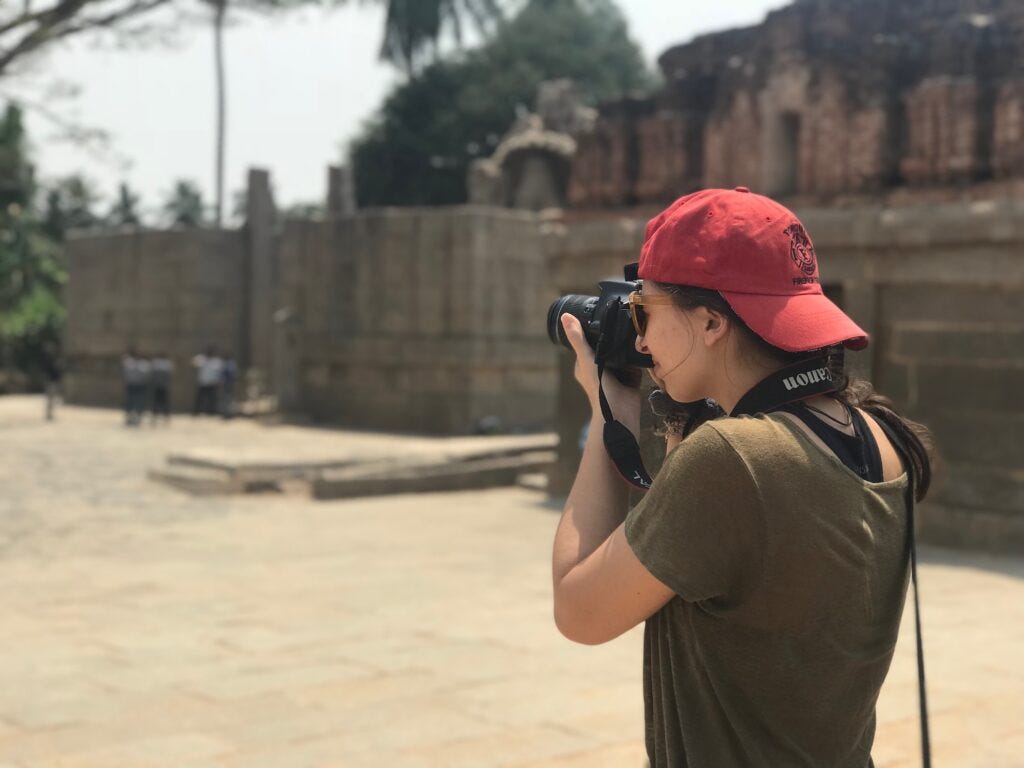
x=852 y=392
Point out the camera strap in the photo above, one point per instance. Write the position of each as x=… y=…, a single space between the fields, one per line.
x=621 y=444
x=795 y=382
x=922 y=696
x=801 y=380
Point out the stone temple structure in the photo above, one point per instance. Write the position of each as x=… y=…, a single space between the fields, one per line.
x=827 y=101
x=894 y=127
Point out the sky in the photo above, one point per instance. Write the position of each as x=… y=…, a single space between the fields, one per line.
x=300 y=86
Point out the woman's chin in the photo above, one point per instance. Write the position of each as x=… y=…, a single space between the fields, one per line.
x=683 y=394
x=679 y=395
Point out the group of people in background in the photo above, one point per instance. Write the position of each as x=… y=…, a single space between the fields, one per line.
x=147 y=385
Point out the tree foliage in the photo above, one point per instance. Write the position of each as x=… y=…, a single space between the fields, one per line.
x=125 y=210
x=27 y=26
x=31 y=268
x=184 y=207
x=70 y=204
x=417 y=149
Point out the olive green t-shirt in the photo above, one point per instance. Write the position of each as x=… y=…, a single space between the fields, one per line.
x=790 y=573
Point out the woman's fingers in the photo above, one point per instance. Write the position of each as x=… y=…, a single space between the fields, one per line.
x=574 y=333
x=586 y=371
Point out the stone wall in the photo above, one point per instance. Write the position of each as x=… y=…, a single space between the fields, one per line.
x=420 y=320
x=941 y=291
x=404 y=319
x=433 y=320
x=174 y=292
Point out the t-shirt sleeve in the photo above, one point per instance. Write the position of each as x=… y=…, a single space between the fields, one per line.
x=699 y=528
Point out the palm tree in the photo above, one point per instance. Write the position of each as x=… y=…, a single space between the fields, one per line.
x=125 y=211
x=413 y=27
x=184 y=205
x=220 y=8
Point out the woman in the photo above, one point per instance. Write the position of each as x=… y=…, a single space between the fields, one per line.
x=769 y=557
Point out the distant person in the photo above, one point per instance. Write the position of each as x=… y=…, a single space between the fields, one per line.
x=135 y=372
x=209 y=369
x=52 y=375
x=228 y=377
x=161 y=369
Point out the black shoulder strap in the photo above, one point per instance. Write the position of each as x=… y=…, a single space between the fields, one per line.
x=901 y=449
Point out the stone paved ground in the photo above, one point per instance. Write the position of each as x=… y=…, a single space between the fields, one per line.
x=143 y=627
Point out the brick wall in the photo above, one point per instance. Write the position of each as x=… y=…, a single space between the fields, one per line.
x=663 y=167
x=731 y=144
x=828 y=102
x=1008 y=140
x=942 y=131
x=601 y=175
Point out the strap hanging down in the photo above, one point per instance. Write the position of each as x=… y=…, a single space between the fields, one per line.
x=621 y=444
x=922 y=697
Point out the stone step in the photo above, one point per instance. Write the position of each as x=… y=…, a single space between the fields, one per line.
x=535 y=481
x=381 y=479
x=269 y=471
x=248 y=469
x=199 y=481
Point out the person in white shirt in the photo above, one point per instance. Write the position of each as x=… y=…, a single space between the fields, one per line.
x=209 y=370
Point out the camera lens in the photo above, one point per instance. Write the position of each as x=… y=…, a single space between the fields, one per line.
x=579 y=306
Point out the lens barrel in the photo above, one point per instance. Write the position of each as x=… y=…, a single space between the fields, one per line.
x=579 y=306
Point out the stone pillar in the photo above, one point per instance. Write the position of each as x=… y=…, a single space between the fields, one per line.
x=341 y=194
x=261 y=219
x=285 y=376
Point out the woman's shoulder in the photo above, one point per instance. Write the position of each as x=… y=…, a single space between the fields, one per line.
x=747 y=432
x=753 y=440
x=725 y=440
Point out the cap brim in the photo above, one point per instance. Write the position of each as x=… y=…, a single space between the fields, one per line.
x=797 y=323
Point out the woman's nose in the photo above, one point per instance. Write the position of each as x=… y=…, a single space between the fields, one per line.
x=640 y=345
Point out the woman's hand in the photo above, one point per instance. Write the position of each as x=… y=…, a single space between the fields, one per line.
x=625 y=401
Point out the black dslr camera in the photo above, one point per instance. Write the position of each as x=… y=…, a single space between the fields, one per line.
x=606 y=323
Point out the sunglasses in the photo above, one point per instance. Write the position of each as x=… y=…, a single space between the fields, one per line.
x=636 y=302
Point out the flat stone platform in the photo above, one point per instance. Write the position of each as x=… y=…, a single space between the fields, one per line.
x=143 y=627
x=360 y=464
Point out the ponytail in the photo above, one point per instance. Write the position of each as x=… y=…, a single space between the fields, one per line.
x=858 y=393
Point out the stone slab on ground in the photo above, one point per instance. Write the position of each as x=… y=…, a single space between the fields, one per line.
x=421 y=477
x=195 y=480
x=145 y=627
x=356 y=460
x=353 y=447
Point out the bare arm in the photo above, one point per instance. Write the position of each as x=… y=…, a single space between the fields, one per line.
x=600 y=588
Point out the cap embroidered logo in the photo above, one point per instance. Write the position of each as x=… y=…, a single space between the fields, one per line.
x=801 y=250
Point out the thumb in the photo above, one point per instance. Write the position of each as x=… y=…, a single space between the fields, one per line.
x=574 y=333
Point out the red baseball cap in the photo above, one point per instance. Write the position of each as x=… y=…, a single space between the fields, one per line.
x=757 y=254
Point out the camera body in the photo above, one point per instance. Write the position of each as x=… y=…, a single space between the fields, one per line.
x=606 y=323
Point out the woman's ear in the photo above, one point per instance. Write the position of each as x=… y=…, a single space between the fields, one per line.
x=714 y=326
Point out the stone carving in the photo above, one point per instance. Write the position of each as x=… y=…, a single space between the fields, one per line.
x=530 y=167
